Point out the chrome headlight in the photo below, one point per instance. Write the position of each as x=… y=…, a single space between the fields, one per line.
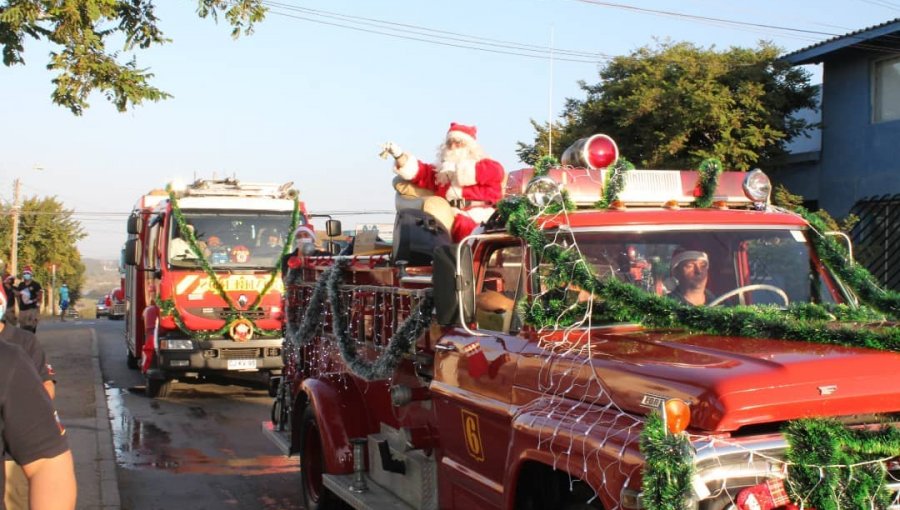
x=757 y=186
x=541 y=191
x=176 y=345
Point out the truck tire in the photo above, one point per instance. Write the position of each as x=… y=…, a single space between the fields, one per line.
x=312 y=466
x=157 y=388
x=130 y=359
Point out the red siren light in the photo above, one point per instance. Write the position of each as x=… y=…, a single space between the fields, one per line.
x=594 y=152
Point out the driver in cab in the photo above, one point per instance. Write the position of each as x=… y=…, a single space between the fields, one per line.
x=690 y=268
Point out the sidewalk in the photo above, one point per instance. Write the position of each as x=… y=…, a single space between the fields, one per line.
x=81 y=402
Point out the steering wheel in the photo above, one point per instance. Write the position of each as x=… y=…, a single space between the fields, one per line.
x=749 y=288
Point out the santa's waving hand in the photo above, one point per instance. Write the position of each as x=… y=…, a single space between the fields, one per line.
x=460 y=189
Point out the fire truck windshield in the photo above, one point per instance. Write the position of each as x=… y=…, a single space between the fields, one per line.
x=231 y=240
x=729 y=266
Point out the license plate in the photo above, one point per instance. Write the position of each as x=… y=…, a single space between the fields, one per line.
x=241 y=364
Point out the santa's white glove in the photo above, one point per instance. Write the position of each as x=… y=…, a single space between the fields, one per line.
x=390 y=149
x=446 y=173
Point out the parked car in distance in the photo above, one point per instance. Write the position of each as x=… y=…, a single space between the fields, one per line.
x=102 y=309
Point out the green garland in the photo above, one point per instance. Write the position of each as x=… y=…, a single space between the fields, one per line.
x=861 y=281
x=840 y=470
x=234 y=314
x=623 y=302
x=832 y=467
x=542 y=166
x=614 y=182
x=707 y=180
x=168 y=308
x=668 y=465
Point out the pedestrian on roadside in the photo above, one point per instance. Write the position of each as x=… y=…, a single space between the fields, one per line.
x=9 y=291
x=30 y=432
x=63 y=301
x=30 y=295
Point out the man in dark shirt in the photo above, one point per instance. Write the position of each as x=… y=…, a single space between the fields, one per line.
x=16 y=497
x=691 y=270
x=9 y=290
x=31 y=433
x=30 y=294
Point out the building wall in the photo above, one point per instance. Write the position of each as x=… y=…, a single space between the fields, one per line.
x=859 y=158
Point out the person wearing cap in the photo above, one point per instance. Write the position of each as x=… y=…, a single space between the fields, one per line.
x=460 y=189
x=63 y=301
x=690 y=268
x=16 y=480
x=305 y=245
x=30 y=295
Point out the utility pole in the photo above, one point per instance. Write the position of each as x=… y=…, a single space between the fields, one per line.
x=14 y=252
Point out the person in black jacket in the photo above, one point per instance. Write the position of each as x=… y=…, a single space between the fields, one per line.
x=30 y=294
x=30 y=432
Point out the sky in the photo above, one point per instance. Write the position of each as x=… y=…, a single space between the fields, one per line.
x=315 y=91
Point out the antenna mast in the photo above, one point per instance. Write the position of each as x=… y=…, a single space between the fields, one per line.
x=550 y=101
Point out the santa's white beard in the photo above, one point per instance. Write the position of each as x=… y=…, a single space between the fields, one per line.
x=455 y=156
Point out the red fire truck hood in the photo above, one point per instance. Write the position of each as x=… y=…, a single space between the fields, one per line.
x=732 y=382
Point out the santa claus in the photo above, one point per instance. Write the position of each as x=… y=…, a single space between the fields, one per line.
x=459 y=189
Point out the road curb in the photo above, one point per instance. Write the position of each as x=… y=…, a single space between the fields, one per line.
x=106 y=457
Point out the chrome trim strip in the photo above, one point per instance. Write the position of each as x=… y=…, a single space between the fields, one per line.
x=675 y=228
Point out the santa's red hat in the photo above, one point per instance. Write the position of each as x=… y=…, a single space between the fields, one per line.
x=27 y=270
x=461 y=132
x=303 y=229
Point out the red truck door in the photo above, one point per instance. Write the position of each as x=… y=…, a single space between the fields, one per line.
x=473 y=382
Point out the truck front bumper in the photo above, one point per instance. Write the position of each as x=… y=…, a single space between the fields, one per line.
x=224 y=356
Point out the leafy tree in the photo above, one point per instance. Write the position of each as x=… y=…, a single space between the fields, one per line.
x=82 y=29
x=47 y=235
x=676 y=104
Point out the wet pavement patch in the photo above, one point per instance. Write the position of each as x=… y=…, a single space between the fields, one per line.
x=140 y=444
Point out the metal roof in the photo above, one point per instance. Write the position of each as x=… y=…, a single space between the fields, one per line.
x=884 y=38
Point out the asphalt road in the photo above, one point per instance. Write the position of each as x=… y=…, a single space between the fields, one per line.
x=199 y=448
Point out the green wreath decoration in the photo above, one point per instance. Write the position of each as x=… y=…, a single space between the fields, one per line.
x=614 y=183
x=168 y=308
x=707 y=180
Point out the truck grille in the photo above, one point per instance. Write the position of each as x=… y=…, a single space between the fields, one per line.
x=239 y=353
x=723 y=469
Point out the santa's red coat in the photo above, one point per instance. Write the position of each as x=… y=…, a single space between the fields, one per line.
x=480 y=180
x=475 y=180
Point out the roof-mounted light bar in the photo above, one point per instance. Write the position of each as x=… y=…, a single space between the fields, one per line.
x=584 y=181
x=234 y=188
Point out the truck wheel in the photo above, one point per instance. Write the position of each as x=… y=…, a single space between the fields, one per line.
x=157 y=388
x=130 y=359
x=312 y=466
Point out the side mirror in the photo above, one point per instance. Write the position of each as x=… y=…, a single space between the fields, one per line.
x=132 y=225
x=443 y=278
x=465 y=283
x=452 y=290
x=130 y=252
x=333 y=228
x=845 y=238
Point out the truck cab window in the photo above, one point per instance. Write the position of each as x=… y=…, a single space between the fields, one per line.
x=499 y=289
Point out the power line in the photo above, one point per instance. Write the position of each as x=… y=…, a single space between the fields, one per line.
x=513 y=49
x=883 y=3
x=431 y=32
x=773 y=29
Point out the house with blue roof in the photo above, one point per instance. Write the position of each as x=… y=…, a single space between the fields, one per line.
x=855 y=167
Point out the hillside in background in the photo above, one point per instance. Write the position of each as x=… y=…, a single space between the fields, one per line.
x=99 y=277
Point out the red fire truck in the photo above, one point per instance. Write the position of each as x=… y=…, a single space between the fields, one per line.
x=521 y=391
x=202 y=282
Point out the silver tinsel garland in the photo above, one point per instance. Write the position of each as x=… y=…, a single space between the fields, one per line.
x=329 y=284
